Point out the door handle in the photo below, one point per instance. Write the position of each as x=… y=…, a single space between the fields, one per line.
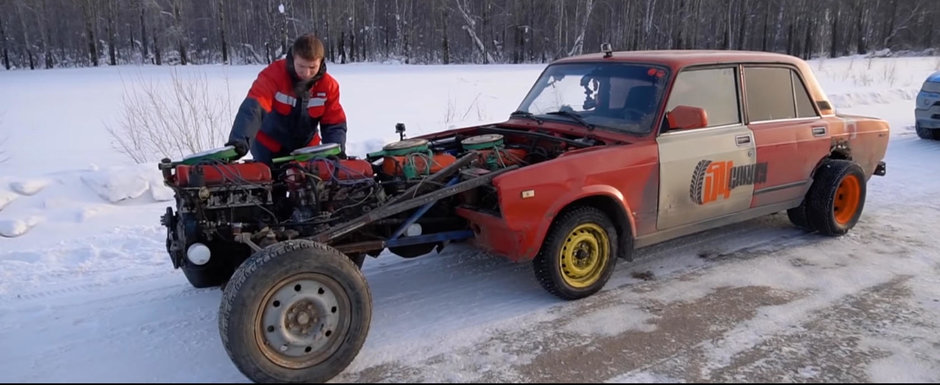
x=819 y=131
x=742 y=139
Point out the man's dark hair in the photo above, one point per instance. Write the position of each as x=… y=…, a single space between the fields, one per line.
x=308 y=47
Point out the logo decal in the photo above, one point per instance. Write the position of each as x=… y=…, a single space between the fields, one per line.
x=715 y=180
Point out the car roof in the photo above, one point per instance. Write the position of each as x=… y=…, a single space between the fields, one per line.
x=934 y=77
x=684 y=58
x=678 y=59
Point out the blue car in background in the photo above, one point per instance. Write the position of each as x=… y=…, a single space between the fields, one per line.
x=927 y=110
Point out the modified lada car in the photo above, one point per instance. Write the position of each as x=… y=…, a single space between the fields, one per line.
x=607 y=153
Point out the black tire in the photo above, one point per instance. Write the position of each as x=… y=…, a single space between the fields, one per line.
x=797 y=216
x=225 y=259
x=357 y=258
x=305 y=298
x=588 y=232
x=925 y=133
x=835 y=201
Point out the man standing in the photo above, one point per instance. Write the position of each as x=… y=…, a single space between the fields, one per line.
x=287 y=102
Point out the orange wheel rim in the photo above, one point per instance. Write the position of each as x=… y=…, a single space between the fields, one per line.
x=846 y=200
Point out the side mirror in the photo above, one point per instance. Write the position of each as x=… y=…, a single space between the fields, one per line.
x=686 y=117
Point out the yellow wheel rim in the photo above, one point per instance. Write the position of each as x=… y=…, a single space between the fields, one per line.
x=845 y=204
x=584 y=255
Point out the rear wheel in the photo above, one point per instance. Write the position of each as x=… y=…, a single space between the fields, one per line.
x=797 y=216
x=297 y=311
x=925 y=133
x=835 y=200
x=578 y=255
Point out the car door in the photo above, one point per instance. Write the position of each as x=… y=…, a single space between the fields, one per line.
x=706 y=172
x=790 y=135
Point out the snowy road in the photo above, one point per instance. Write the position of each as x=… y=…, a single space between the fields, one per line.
x=755 y=301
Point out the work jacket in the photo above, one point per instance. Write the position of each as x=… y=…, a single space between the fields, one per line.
x=281 y=114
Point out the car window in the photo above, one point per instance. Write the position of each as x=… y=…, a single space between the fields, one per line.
x=804 y=105
x=616 y=96
x=769 y=93
x=713 y=89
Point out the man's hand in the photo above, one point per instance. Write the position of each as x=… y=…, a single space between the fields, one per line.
x=241 y=147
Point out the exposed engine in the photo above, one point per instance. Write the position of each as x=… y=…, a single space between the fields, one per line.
x=219 y=202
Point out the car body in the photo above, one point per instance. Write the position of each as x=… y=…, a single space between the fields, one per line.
x=927 y=108
x=757 y=153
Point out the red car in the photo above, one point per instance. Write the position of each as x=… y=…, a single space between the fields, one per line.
x=607 y=153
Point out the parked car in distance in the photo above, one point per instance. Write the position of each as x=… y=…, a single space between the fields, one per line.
x=927 y=109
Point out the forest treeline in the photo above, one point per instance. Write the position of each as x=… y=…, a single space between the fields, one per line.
x=39 y=34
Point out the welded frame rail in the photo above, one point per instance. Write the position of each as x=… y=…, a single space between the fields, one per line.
x=389 y=210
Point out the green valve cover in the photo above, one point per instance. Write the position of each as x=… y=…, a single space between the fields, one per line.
x=222 y=154
x=312 y=152
x=482 y=142
x=405 y=147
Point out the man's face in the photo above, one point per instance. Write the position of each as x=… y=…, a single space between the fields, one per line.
x=306 y=68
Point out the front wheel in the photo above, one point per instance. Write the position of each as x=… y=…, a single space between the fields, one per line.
x=297 y=311
x=835 y=200
x=578 y=255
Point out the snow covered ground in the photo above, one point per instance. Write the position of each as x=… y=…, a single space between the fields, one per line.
x=88 y=294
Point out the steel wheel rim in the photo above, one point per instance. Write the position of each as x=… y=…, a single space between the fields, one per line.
x=845 y=204
x=584 y=255
x=302 y=320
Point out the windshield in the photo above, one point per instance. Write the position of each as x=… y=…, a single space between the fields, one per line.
x=615 y=96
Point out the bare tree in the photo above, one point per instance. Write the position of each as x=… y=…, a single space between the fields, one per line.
x=445 y=43
x=43 y=28
x=174 y=120
x=578 y=46
x=112 y=44
x=463 y=9
x=648 y=21
x=90 y=16
x=144 y=51
x=5 y=44
x=221 y=7
x=178 y=32
x=904 y=23
x=83 y=32
x=27 y=44
x=889 y=29
x=834 y=42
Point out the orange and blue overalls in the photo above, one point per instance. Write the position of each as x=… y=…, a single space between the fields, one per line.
x=280 y=114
